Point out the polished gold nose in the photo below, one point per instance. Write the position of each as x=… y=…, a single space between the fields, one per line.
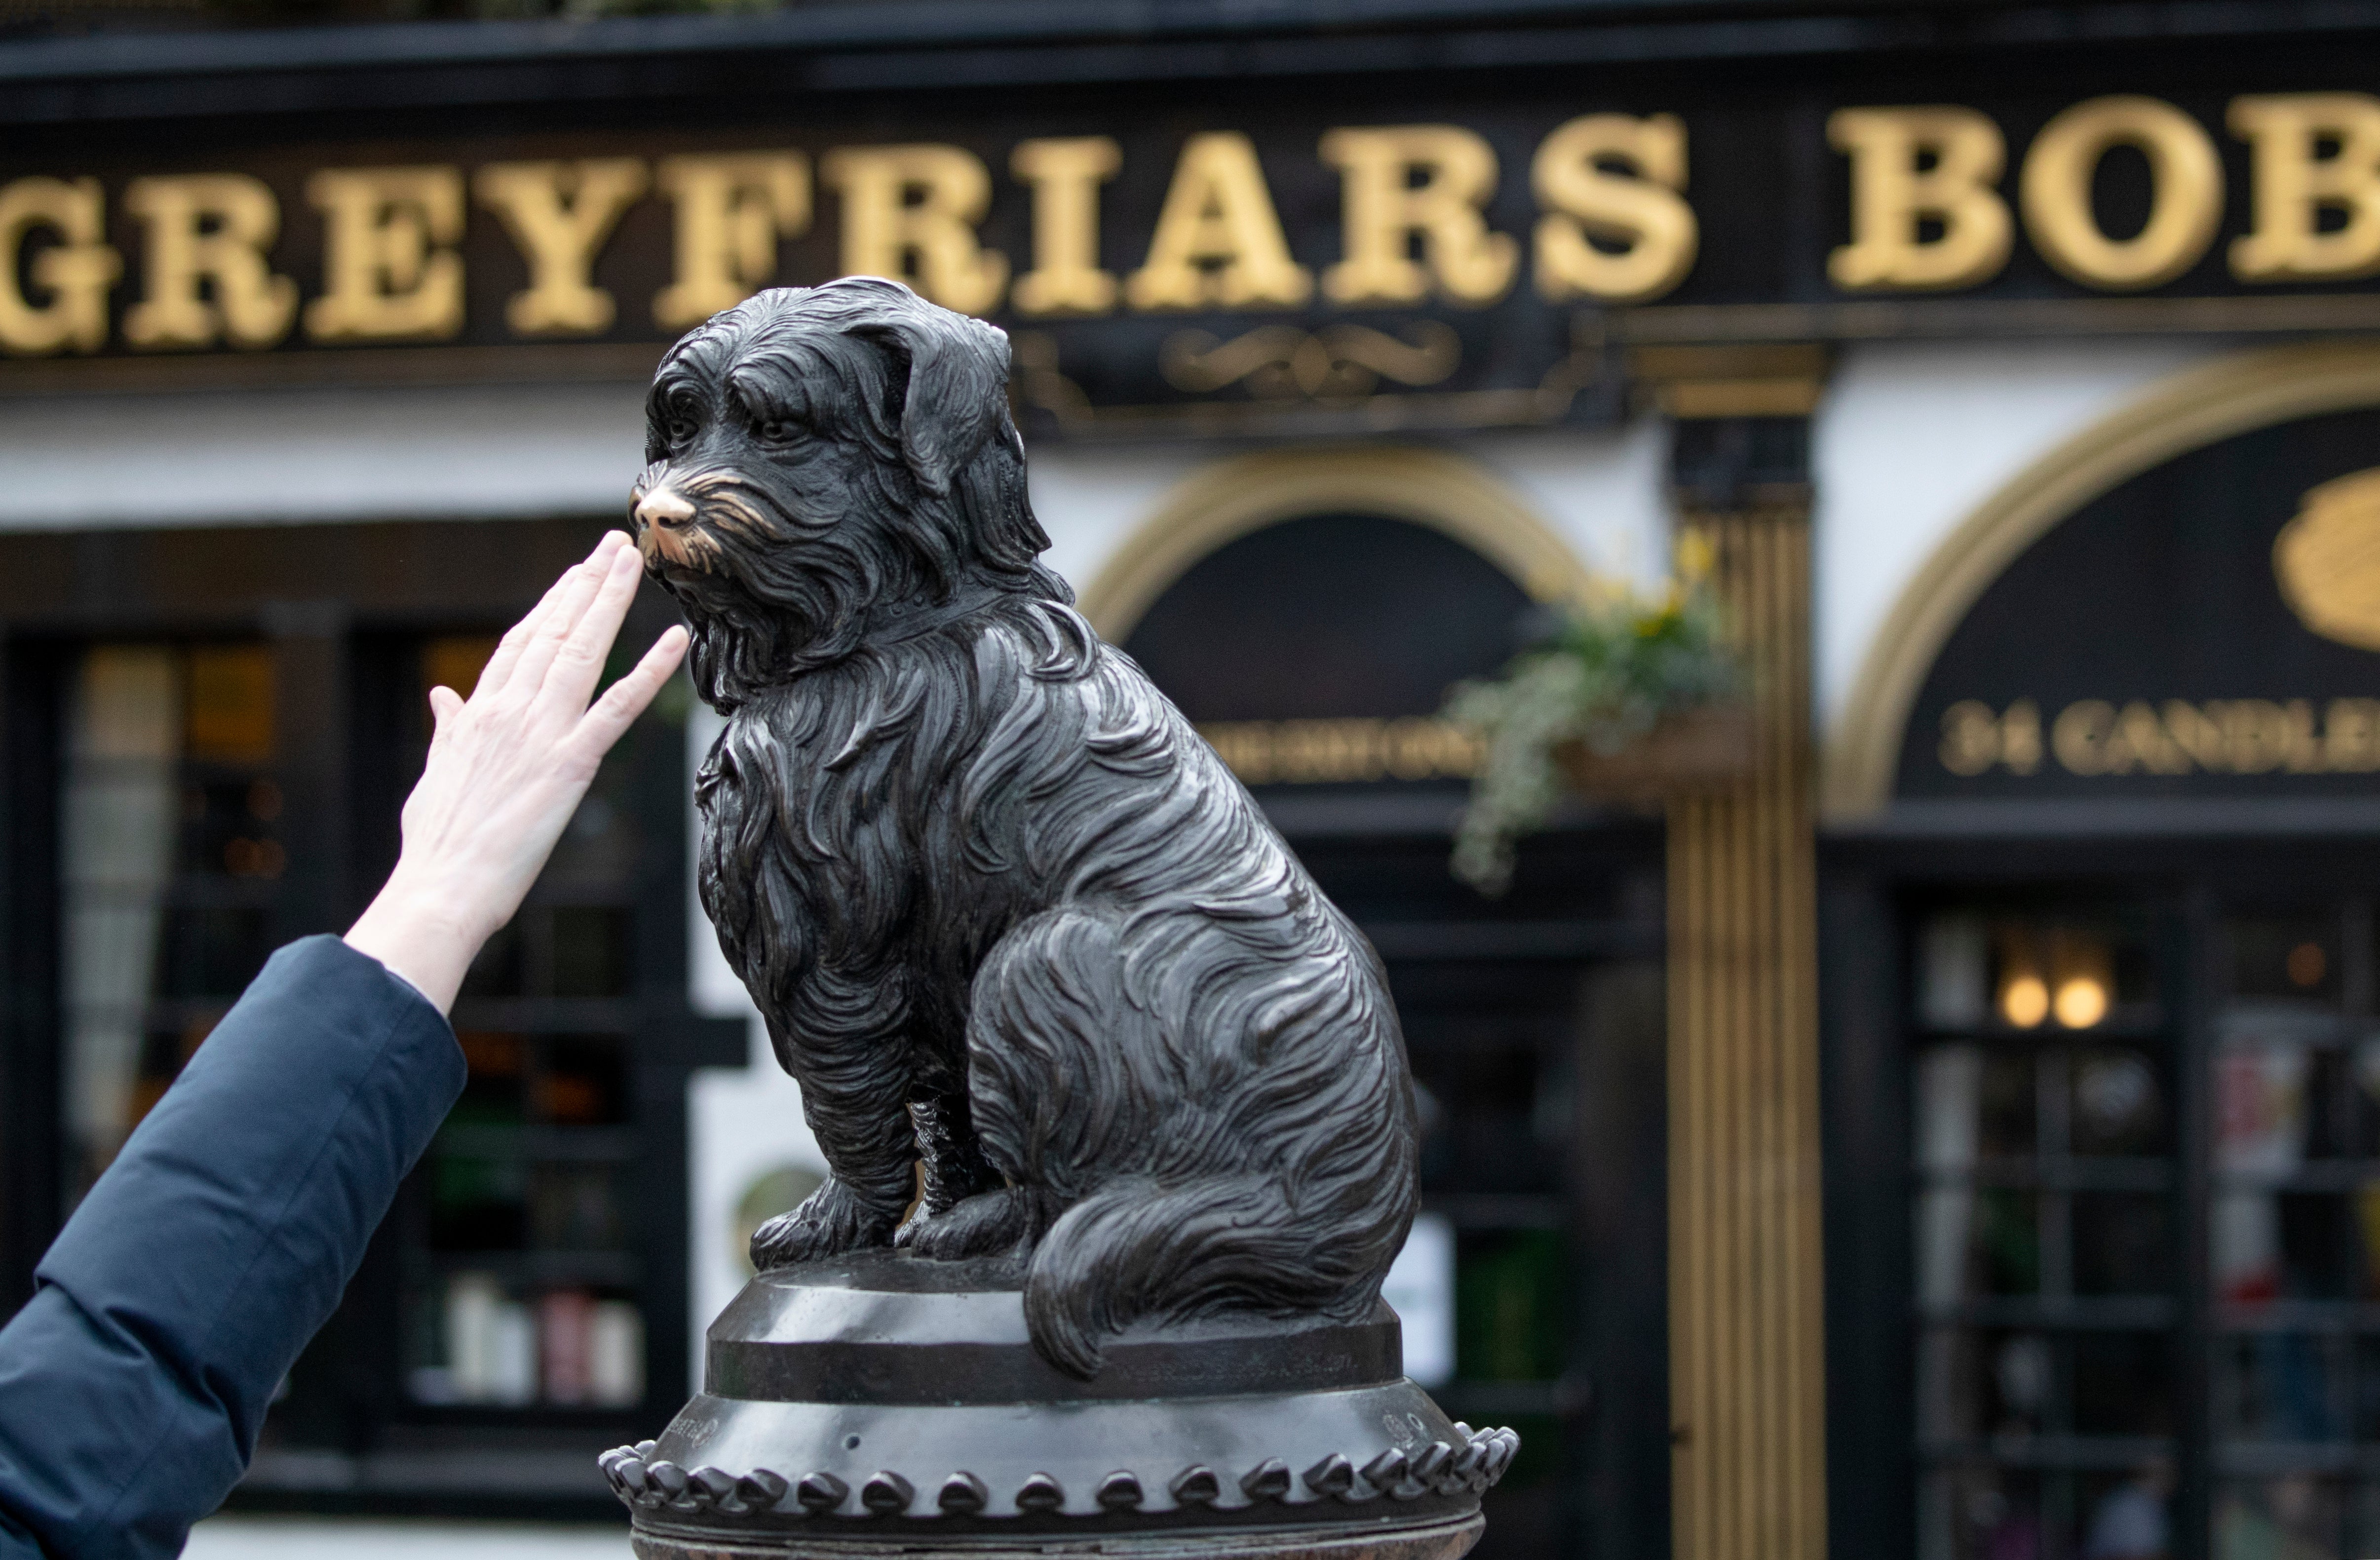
x=663 y=506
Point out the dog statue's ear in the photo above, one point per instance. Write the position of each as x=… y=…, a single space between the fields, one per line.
x=957 y=395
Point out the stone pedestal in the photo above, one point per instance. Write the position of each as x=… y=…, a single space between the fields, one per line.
x=890 y=1403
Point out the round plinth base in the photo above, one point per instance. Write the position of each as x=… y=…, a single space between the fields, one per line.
x=1441 y=1541
x=893 y=1404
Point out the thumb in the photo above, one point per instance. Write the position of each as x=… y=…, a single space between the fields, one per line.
x=444 y=705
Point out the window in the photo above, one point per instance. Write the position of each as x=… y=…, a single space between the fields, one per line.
x=2073 y=1372
x=209 y=736
x=522 y=1282
x=2045 y=1243
x=2294 y=1234
x=171 y=863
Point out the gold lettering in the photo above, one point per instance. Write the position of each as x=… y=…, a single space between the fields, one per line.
x=2185 y=180
x=207 y=230
x=1245 y=748
x=909 y=214
x=1417 y=185
x=2141 y=741
x=559 y=214
x=2020 y=737
x=1896 y=194
x=1971 y=737
x=1065 y=176
x=2222 y=735
x=2302 y=747
x=1649 y=234
x=1974 y=738
x=2351 y=736
x=75 y=272
x=387 y=275
x=2294 y=182
x=1361 y=749
x=1218 y=240
x=2080 y=734
x=2255 y=733
x=732 y=209
x=2198 y=734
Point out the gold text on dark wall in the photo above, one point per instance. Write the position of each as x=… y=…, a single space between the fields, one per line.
x=1938 y=199
x=2094 y=738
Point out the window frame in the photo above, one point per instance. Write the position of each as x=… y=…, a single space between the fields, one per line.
x=324 y=596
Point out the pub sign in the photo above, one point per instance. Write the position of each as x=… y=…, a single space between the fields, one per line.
x=1305 y=266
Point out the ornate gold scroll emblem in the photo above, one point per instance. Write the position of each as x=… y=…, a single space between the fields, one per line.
x=1279 y=362
x=2328 y=560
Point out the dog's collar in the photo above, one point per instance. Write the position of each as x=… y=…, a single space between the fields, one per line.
x=912 y=627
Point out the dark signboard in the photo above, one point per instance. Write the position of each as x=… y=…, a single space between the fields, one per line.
x=1304 y=262
x=2209 y=627
x=1318 y=649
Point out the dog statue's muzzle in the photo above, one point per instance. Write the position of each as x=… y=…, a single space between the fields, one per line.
x=664 y=517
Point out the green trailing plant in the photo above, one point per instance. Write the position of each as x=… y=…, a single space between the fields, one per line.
x=1615 y=667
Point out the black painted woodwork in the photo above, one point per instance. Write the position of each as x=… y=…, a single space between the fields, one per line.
x=1328 y=615
x=2163 y=588
x=347 y=608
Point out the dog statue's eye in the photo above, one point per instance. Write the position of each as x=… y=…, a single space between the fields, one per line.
x=777 y=430
x=679 y=431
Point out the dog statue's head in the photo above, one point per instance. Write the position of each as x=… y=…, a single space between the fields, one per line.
x=829 y=465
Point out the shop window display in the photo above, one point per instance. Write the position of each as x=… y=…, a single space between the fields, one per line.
x=199 y=772
x=171 y=863
x=2052 y=1182
x=520 y=1275
x=2294 y=1237
x=522 y=1278
x=2041 y=1114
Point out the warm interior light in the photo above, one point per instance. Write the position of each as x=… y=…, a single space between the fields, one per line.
x=2082 y=1002
x=2024 y=1000
x=2307 y=965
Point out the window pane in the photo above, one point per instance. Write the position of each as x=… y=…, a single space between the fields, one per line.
x=2122 y=1383
x=2283 y=1386
x=2118 y=1105
x=1982 y=1513
x=2123 y=1243
x=171 y=862
x=2296 y=1517
x=2295 y=959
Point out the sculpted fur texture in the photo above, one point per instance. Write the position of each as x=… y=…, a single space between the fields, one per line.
x=1039 y=964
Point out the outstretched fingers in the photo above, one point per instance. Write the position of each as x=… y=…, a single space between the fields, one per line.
x=499 y=666
x=626 y=699
x=537 y=655
x=579 y=662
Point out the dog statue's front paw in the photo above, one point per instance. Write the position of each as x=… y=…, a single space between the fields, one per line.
x=975 y=1227
x=829 y=1222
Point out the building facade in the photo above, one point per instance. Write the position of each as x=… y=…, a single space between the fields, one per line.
x=1959 y=1135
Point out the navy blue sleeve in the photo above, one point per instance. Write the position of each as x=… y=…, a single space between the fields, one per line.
x=133 y=1384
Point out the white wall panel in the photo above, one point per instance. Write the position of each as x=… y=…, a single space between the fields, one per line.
x=1912 y=436
x=266 y=456
x=1600 y=490
x=1605 y=491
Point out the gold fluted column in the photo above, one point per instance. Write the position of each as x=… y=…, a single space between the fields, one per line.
x=1747 y=1400
x=1748 y=1338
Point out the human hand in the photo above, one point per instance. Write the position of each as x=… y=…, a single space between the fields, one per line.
x=506 y=770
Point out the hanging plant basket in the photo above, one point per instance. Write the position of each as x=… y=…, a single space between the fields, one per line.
x=1709 y=748
x=1653 y=677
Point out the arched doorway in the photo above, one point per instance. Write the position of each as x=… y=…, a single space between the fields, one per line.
x=2104 y=978
x=1307 y=611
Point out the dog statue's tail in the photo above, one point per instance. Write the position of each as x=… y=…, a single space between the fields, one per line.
x=1131 y=1250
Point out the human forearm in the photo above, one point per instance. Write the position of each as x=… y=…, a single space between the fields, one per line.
x=132 y=1387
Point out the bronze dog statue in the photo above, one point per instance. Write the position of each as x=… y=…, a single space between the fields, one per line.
x=1040 y=966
